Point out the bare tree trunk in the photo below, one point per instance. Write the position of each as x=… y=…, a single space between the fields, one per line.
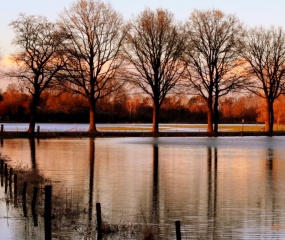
x=216 y=114
x=210 y=115
x=33 y=113
x=155 y=117
x=269 y=118
x=32 y=123
x=92 y=103
x=92 y=122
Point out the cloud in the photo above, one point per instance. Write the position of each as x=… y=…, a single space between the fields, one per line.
x=6 y=64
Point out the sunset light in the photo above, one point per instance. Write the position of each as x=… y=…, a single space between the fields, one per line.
x=144 y=119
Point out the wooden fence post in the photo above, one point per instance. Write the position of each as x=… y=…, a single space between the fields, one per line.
x=2 y=172
x=6 y=177
x=178 y=231
x=24 y=199
x=47 y=213
x=99 y=220
x=10 y=177
x=15 y=184
x=6 y=170
x=10 y=174
x=1 y=166
x=15 y=189
x=10 y=181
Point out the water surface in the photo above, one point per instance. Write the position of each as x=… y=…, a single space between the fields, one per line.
x=219 y=188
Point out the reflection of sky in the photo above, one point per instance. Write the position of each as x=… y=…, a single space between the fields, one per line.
x=11 y=225
x=5 y=233
x=239 y=143
x=235 y=190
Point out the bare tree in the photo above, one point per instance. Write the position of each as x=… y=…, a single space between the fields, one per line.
x=94 y=36
x=153 y=48
x=212 y=57
x=264 y=52
x=38 y=58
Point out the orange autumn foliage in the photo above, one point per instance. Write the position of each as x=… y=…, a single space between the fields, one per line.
x=239 y=108
x=279 y=110
x=65 y=103
x=13 y=102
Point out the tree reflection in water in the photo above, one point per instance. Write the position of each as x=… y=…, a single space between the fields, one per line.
x=219 y=188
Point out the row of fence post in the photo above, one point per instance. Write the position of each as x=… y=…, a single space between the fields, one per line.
x=9 y=178
x=48 y=202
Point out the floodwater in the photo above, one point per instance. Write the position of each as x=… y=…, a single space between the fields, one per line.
x=83 y=127
x=218 y=188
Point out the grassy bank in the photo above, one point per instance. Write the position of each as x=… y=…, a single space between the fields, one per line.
x=102 y=134
x=166 y=130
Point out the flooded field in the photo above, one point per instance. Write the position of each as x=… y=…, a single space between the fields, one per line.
x=218 y=188
x=83 y=127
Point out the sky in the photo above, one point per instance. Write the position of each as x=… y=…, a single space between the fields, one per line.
x=250 y=12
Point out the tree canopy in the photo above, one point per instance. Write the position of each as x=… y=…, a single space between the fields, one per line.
x=94 y=35
x=212 y=57
x=264 y=52
x=153 y=49
x=39 y=57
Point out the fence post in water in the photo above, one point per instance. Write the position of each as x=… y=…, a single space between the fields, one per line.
x=10 y=176
x=178 y=232
x=15 y=189
x=2 y=180
x=38 y=129
x=34 y=201
x=1 y=166
x=99 y=220
x=24 y=199
x=47 y=213
x=15 y=184
x=1 y=171
x=2 y=128
x=6 y=170
x=6 y=177
x=10 y=181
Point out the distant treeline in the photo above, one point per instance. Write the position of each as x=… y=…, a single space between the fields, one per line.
x=121 y=108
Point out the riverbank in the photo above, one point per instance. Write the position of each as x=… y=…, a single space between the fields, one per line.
x=102 y=134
